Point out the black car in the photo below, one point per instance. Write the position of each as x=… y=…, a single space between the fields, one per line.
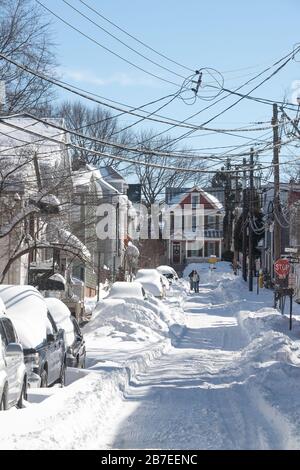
x=76 y=353
x=43 y=342
x=48 y=360
x=75 y=344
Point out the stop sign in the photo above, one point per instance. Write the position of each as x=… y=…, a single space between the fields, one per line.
x=282 y=267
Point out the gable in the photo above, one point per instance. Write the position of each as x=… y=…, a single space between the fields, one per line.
x=204 y=200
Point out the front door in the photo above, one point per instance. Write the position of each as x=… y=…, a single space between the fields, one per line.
x=176 y=252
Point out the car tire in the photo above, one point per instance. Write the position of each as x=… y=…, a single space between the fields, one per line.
x=44 y=379
x=3 y=401
x=23 y=395
x=62 y=376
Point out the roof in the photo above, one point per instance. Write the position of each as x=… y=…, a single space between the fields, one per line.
x=178 y=197
x=110 y=173
x=89 y=173
x=52 y=154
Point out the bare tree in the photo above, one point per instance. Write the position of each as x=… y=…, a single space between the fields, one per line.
x=97 y=123
x=155 y=180
x=25 y=36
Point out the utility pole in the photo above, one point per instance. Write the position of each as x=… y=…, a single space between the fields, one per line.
x=250 y=249
x=244 y=223
x=276 y=200
x=98 y=276
x=228 y=207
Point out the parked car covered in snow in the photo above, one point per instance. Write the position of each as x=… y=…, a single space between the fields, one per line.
x=75 y=344
x=168 y=272
x=127 y=290
x=43 y=343
x=13 y=377
x=152 y=281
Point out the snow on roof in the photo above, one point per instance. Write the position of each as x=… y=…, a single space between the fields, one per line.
x=213 y=199
x=27 y=309
x=58 y=234
x=85 y=175
x=52 y=155
x=178 y=197
x=110 y=173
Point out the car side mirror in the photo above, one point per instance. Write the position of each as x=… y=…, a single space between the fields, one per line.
x=50 y=338
x=14 y=349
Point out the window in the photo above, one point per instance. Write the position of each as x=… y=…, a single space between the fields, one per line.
x=2 y=334
x=195 y=200
x=211 y=222
x=192 y=253
x=210 y=248
x=194 y=223
x=9 y=330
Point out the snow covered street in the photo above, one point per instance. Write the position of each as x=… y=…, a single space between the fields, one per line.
x=209 y=392
x=229 y=380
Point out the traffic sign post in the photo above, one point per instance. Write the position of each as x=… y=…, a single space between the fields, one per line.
x=282 y=268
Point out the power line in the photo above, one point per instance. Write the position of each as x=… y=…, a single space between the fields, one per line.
x=135 y=38
x=104 y=47
x=122 y=42
x=118 y=158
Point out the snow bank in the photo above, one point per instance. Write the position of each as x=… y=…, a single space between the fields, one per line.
x=222 y=268
x=80 y=415
x=133 y=320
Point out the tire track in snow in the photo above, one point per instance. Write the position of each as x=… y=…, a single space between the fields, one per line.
x=197 y=396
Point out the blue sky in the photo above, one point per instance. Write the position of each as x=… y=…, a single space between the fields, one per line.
x=227 y=35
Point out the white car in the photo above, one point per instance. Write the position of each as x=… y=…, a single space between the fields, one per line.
x=127 y=290
x=152 y=281
x=168 y=272
x=13 y=378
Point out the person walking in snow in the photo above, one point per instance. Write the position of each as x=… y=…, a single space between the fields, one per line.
x=196 y=280
x=191 y=279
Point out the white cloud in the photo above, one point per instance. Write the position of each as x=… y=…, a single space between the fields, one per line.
x=122 y=79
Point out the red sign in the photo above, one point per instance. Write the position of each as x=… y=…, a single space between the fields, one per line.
x=282 y=267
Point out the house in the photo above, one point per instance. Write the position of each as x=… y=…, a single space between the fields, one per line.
x=35 y=178
x=94 y=188
x=182 y=250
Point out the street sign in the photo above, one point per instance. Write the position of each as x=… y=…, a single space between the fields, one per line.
x=291 y=250
x=282 y=268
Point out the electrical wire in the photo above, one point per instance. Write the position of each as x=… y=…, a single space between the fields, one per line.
x=104 y=47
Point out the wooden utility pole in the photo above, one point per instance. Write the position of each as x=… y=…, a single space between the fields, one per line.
x=98 y=276
x=244 y=222
x=276 y=200
x=250 y=237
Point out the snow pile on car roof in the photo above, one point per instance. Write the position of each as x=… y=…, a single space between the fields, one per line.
x=27 y=309
x=164 y=269
x=131 y=320
x=126 y=290
x=150 y=280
